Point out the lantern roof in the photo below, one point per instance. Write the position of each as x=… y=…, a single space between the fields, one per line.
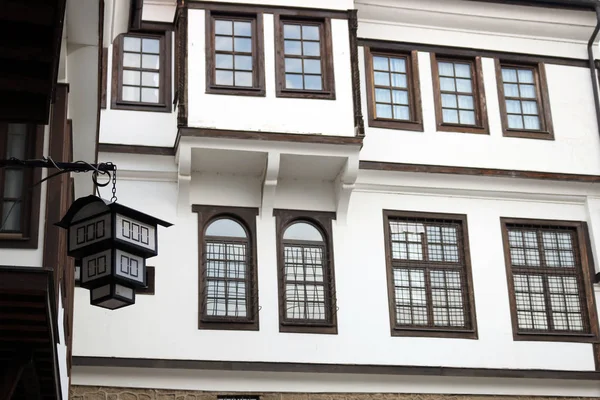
x=93 y=205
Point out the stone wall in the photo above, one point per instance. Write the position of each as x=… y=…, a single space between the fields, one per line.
x=112 y=393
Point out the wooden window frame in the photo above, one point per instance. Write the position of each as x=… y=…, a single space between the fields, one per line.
x=31 y=196
x=413 y=86
x=258 y=55
x=481 y=120
x=542 y=97
x=444 y=332
x=585 y=276
x=246 y=216
x=164 y=88
x=328 y=75
x=322 y=221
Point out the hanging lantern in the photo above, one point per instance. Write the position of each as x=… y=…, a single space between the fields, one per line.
x=111 y=243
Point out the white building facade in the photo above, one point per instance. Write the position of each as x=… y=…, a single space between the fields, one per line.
x=383 y=198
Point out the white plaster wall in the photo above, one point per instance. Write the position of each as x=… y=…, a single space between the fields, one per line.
x=575 y=149
x=269 y=113
x=137 y=127
x=61 y=350
x=165 y=325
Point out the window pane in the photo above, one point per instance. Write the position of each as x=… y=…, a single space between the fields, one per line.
x=463 y=70
x=224 y=78
x=223 y=27
x=449 y=101
x=226 y=227
x=532 y=122
x=527 y=91
x=292 y=47
x=398 y=65
x=380 y=63
x=224 y=61
x=131 y=44
x=149 y=95
x=151 y=46
x=13 y=184
x=384 y=111
x=382 y=79
x=311 y=49
x=291 y=31
x=11 y=216
x=400 y=96
x=131 y=93
x=530 y=107
x=399 y=80
x=131 y=77
x=383 y=96
x=450 y=116
x=312 y=66
x=463 y=86
x=243 y=79
x=445 y=69
x=294 y=81
x=466 y=102
x=302 y=231
x=509 y=75
x=223 y=43
x=515 y=121
x=511 y=90
x=467 y=117
x=242 y=28
x=513 y=106
x=401 y=112
x=150 y=79
x=447 y=84
x=310 y=32
x=150 y=62
x=243 y=45
x=16 y=142
x=525 y=76
x=131 y=60
x=293 y=65
x=243 y=63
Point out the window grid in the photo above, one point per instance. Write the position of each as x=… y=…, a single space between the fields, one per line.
x=14 y=142
x=457 y=89
x=141 y=72
x=521 y=98
x=302 y=48
x=547 y=279
x=234 y=52
x=430 y=288
x=391 y=86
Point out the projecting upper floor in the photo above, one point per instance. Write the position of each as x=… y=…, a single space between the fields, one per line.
x=453 y=83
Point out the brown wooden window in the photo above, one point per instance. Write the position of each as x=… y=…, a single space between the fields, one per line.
x=524 y=102
x=228 y=275
x=429 y=275
x=142 y=72
x=548 y=273
x=234 y=62
x=393 y=90
x=306 y=281
x=19 y=199
x=304 y=58
x=459 y=94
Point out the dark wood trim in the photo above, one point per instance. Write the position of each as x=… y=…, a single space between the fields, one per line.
x=135 y=149
x=414 y=91
x=591 y=314
x=11 y=375
x=596 y=350
x=469 y=332
x=326 y=49
x=31 y=197
x=472 y=171
x=558 y=4
x=181 y=70
x=359 y=123
x=322 y=221
x=478 y=93
x=247 y=217
x=258 y=55
x=270 y=136
x=541 y=85
x=150 y=282
x=369 y=369
x=103 y=77
x=472 y=52
x=165 y=74
x=268 y=9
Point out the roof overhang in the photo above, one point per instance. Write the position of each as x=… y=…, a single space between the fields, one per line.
x=568 y=4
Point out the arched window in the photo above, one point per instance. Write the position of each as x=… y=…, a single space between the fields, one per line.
x=228 y=294
x=307 y=295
